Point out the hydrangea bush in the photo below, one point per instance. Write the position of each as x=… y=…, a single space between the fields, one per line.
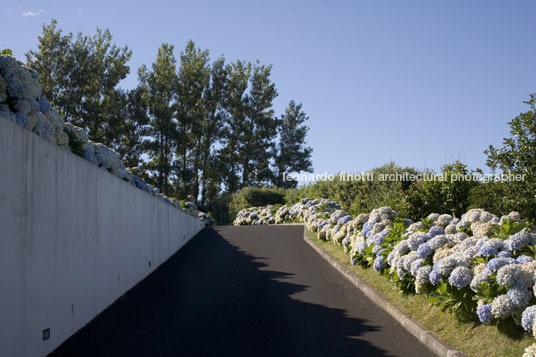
x=477 y=267
x=21 y=101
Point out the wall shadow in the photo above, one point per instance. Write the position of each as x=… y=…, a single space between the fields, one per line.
x=213 y=299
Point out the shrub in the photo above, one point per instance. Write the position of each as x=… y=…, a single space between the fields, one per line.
x=254 y=197
x=516 y=156
x=448 y=195
x=492 y=197
x=219 y=209
x=362 y=195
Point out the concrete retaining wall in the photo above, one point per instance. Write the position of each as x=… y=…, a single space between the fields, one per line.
x=73 y=239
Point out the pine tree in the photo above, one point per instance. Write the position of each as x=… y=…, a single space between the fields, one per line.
x=291 y=154
x=81 y=77
x=250 y=127
x=193 y=85
x=159 y=92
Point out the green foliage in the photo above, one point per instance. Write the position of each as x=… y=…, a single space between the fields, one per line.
x=76 y=145
x=255 y=197
x=6 y=51
x=157 y=88
x=405 y=284
x=489 y=291
x=293 y=195
x=506 y=229
x=219 y=207
x=250 y=126
x=291 y=154
x=516 y=156
x=192 y=129
x=493 y=197
x=81 y=76
x=427 y=224
x=445 y=194
x=457 y=302
x=361 y=196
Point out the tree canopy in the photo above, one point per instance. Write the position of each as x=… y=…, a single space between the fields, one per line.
x=193 y=127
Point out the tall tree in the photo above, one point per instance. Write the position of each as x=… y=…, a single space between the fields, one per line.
x=517 y=156
x=235 y=105
x=212 y=124
x=261 y=128
x=159 y=92
x=291 y=154
x=130 y=143
x=250 y=125
x=193 y=84
x=81 y=77
x=53 y=63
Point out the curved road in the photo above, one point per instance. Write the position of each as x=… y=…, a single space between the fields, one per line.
x=244 y=291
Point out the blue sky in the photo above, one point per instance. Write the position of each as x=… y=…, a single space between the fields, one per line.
x=421 y=83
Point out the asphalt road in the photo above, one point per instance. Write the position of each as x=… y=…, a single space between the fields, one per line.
x=244 y=291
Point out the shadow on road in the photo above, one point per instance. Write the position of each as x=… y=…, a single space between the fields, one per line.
x=214 y=299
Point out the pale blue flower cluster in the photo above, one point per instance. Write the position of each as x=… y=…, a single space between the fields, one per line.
x=435 y=231
x=490 y=247
x=497 y=263
x=460 y=277
x=519 y=240
x=424 y=251
x=484 y=313
x=527 y=318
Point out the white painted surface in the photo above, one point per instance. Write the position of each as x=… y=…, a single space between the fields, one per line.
x=73 y=239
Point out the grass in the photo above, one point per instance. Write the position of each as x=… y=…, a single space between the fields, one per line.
x=468 y=338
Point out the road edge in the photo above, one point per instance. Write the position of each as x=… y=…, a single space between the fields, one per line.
x=426 y=337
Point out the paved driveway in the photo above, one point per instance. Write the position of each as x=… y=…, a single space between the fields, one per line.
x=244 y=291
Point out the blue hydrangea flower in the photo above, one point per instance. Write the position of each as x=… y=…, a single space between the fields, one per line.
x=438 y=242
x=460 y=277
x=434 y=277
x=527 y=318
x=497 y=263
x=522 y=259
x=435 y=231
x=490 y=247
x=367 y=228
x=504 y=254
x=22 y=119
x=480 y=278
x=44 y=105
x=424 y=251
x=415 y=266
x=379 y=237
x=484 y=313
x=402 y=247
x=390 y=258
x=462 y=224
x=321 y=225
x=353 y=260
x=487 y=251
x=416 y=239
x=342 y=221
x=517 y=241
x=379 y=263
x=519 y=297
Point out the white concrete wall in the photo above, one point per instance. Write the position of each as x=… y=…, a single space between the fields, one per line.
x=73 y=239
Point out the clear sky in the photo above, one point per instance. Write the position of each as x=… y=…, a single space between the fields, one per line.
x=421 y=83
